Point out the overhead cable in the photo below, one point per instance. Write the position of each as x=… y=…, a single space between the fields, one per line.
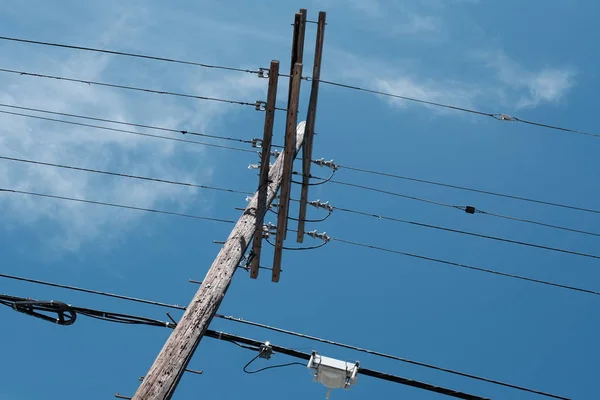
x=4 y=190
x=112 y=85
x=130 y=132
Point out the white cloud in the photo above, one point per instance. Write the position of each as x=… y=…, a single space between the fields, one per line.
x=76 y=224
x=546 y=85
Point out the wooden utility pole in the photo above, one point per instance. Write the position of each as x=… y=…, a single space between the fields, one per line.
x=161 y=380
x=264 y=165
x=310 y=124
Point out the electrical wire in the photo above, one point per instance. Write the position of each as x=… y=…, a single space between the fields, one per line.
x=364 y=371
x=468 y=189
x=372 y=189
x=31 y=307
x=266 y=368
x=335 y=239
x=500 y=117
x=90 y=291
x=299 y=248
x=97 y=171
x=462 y=208
x=279 y=330
x=465 y=266
x=115 y=205
x=106 y=128
x=322 y=180
x=112 y=85
x=462 y=232
x=121 y=53
x=112 y=121
x=379 y=354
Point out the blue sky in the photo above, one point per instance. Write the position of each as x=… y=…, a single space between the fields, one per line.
x=531 y=59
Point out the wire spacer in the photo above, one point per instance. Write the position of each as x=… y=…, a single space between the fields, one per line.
x=316 y=235
x=260 y=105
x=470 y=210
x=329 y=164
x=319 y=204
x=264 y=72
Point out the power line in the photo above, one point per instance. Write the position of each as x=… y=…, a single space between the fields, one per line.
x=112 y=121
x=97 y=171
x=287 y=332
x=480 y=191
x=126 y=131
x=470 y=267
x=467 y=209
x=121 y=53
x=487 y=192
x=334 y=239
x=67 y=315
x=500 y=117
x=383 y=355
x=112 y=85
x=116 y=205
x=90 y=291
x=462 y=232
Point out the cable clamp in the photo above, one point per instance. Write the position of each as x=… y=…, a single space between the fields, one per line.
x=266 y=351
x=260 y=105
x=319 y=204
x=504 y=117
x=316 y=235
x=270 y=228
x=264 y=72
x=329 y=164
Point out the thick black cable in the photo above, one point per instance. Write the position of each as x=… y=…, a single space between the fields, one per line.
x=112 y=85
x=480 y=191
x=97 y=171
x=283 y=331
x=383 y=355
x=121 y=53
x=465 y=266
x=112 y=121
x=500 y=117
x=116 y=205
x=368 y=372
x=106 y=128
x=474 y=234
x=137 y=320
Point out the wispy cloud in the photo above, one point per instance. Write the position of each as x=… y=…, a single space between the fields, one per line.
x=75 y=224
x=535 y=87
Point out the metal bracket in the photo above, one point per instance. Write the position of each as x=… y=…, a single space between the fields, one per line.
x=260 y=105
x=264 y=72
